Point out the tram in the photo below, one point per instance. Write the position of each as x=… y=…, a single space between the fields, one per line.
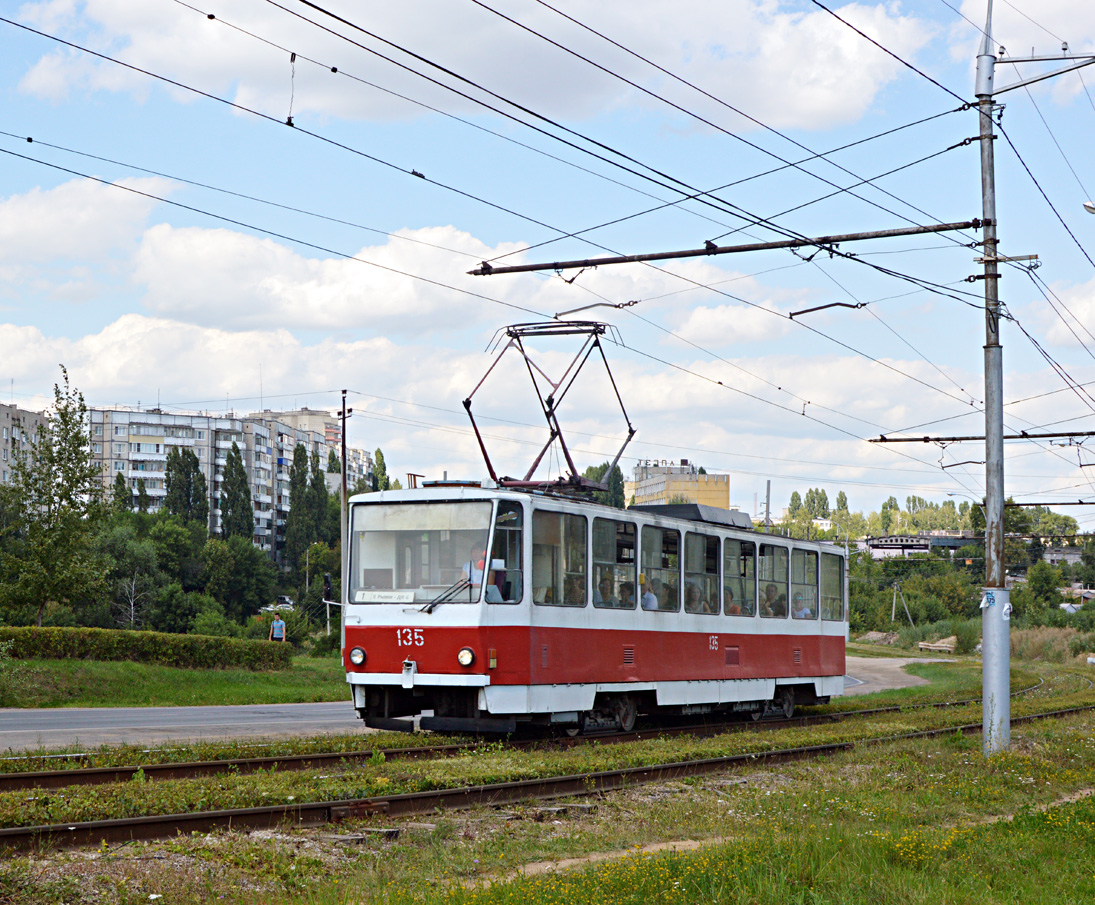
x=483 y=609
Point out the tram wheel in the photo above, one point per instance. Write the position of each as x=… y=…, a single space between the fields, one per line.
x=627 y=711
x=577 y=729
x=787 y=702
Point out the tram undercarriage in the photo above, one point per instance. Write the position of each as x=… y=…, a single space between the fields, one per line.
x=455 y=709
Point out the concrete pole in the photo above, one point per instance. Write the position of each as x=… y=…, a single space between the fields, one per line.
x=995 y=603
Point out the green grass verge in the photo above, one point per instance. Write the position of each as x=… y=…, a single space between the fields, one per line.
x=88 y=683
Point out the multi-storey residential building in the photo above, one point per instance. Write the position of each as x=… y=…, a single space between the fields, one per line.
x=17 y=430
x=668 y=482
x=359 y=462
x=135 y=444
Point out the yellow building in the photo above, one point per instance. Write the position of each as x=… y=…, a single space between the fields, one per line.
x=659 y=481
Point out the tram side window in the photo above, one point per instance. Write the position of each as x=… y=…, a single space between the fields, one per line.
x=504 y=573
x=803 y=584
x=613 y=564
x=701 y=574
x=739 y=580
x=661 y=570
x=773 y=581
x=559 y=559
x=832 y=587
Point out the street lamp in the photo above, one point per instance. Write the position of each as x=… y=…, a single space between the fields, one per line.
x=1089 y=206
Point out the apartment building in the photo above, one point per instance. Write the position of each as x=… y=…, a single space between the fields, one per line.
x=17 y=429
x=135 y=444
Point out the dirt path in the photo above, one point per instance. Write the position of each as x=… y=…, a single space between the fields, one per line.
x=869 y=674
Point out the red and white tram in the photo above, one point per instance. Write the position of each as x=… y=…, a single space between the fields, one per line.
x=491 y=608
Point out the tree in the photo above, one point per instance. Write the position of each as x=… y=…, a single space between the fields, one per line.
x=795 y=505
x=614 y=496
x=1044 y=581
x=1017 y=525
x=187 y=490
x=817 y=503
x=334 y=466
x=317 y=501
x=133 y=571
x=143 y=499
x=121 y=498
x=300 y=522
x=380 y=472
x=237 y=506
x=55 y=495
x=841 y=502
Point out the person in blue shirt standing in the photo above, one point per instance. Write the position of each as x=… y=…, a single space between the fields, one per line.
x=277 y=628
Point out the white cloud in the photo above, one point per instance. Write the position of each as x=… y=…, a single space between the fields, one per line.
x=803 y=69
x=80 y=220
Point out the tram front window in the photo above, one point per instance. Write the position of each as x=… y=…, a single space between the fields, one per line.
x=418 y=552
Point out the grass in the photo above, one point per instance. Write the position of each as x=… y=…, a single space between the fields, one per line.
x=910 y=822
x=87 y=683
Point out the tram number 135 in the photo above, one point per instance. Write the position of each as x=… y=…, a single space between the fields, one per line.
x=406 y=637
x=712 y=642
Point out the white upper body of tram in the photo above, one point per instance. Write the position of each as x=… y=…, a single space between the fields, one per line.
x=484 y=608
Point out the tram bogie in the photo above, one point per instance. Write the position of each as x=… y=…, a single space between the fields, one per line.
x=476 y=609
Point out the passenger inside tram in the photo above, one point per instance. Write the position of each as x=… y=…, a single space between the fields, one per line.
x=768 y=602
x=627 y=594
x=650 y=597
x=732 y=607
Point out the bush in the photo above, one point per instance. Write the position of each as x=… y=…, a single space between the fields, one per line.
x=967 y=633
x=297 y=626
x=324 y=645
x=181 y=651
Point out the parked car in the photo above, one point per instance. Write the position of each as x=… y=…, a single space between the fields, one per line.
x=283 y=603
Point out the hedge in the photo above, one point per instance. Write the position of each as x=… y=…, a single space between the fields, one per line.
x=181 y=651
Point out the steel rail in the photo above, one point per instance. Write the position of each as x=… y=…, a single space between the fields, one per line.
x=413 y=803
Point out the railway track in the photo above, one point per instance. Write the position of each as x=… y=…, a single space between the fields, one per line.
x=309 y=814
x=83 y=776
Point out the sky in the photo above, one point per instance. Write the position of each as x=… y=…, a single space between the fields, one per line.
x=254 y=204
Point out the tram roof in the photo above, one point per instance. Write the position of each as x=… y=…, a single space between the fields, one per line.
x=696 y=512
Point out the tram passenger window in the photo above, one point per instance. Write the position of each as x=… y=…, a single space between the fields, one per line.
x=832 y=587
x=773 y=581
x=559 y=559
x=803 y=584
x=739 y=579
x=613 y=564
x=701 y=574
x=504 y=570
x=660 y=579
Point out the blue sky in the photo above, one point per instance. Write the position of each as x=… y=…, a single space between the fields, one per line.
x=144 y=300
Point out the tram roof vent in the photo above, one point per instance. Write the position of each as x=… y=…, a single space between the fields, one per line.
x=696 y=512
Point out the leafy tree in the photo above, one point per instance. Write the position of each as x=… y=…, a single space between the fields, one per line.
x=187 y=490
x=143 y=499
x=614 y=496
x=178 y=550
x=817 y=503
x=237 y=506
x=380 y=472
x=841 y=502
x=133 y=572
x=121 y=497
x=317 y=501
x=238 y=575
x=55 y=495
x=1044 y=582
x=334 y=466
x=795 y=505
x=300 y=523
x=1047 y=523
x=172 y=609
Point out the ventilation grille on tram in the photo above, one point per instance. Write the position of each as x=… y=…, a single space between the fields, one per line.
x=629 y=656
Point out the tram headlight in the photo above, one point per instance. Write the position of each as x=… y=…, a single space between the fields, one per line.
x=466 y=657
x=357 y=656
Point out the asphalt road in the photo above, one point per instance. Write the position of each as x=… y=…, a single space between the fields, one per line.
x=21 y=730
x=93 y=726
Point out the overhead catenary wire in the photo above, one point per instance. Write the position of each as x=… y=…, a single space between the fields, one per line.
x=434 y=182
x=340 y=254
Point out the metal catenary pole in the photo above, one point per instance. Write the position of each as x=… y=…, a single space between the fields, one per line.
x=995 y=602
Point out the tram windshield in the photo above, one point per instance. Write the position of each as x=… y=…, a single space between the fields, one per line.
x=419 y=552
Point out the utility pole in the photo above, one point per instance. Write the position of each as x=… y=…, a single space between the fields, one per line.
x=995 y=601
x=344 y=531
